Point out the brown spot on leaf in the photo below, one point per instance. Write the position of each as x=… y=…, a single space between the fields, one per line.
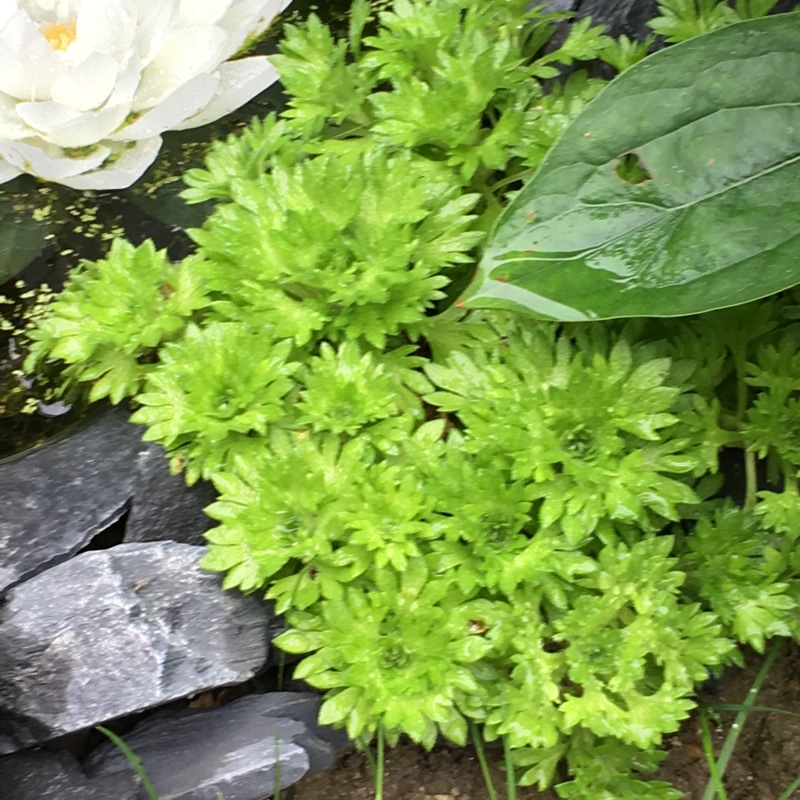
x=477 y=626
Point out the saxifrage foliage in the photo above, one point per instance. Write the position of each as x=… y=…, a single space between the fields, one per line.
x=465 y=517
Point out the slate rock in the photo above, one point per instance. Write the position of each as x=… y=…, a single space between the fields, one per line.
x=45 y=775
x=556 y=5
x=304 y=706
x=115 y=631
x=56 y=497
x=630 y=16
x=620 y=16
x=193 y=754
x=163 y=506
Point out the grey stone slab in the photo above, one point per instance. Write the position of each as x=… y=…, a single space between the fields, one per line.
x=192 y=754
x=55 y=498
x=115 y=631
x=44 y=775
x=163 y=506
x=556 y=5
x=304 y=707
x=631 y=16
x=621 y=16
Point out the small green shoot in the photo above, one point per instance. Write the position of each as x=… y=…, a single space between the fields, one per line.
x=790 y=789
x=135 y=761
x=363 y=745
x=276 y=794
x=477 y=742
x=379 y=765
x=511 y=782
x=718 y=767
x=708 y=751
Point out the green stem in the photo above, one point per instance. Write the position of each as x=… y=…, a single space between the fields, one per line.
x=379 y=765
x=479 y=751
x=740 y=363
x=511 y=782
x=509 y=179
x=789 y=478
x=708 y=749
x=493 y=205
x=281 y=671
x=134 y=760
x=736 y=728
x=751 y=709
x=741 y=386
x=750 y=480
x=276 y=795
x=363 y=746
x=790 y=790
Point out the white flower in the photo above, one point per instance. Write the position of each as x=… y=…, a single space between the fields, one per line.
x=88 y=86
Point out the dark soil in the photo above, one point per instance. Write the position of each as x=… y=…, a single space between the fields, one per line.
x=766 y=759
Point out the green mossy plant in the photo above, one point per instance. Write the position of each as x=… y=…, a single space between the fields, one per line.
x=467 y=518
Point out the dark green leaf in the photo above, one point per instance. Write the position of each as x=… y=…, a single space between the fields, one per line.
x=676 y=191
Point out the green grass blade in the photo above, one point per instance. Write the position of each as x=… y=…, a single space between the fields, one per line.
x=736 y=728
x=790 y=790
x=134 y=760
x=363 y=745
x=379 y=765
x=281 y=671
x=276 y=794
x=750 y=709
x=511 y=779
x=708 y=750
x=477 y=743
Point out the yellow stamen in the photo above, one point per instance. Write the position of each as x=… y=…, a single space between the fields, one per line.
x=60 y=35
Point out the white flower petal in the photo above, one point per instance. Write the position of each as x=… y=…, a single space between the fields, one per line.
x=127 y=83
x=103 y=26
x=28 y=65
x=66 y=127
x=11 y=126
x=134 y=69
x=247 y=18
x=154 y=25
x=7 y=9
x=182 y=103
x=209 y=12
x=51 y=166
x=87 y=85
x=46 y=115
x=7 y=172
x=122 y=173
x=188 y=52
x=239 y=81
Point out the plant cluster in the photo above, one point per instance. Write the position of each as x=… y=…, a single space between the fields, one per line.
x=680 y=20
x=467 y=518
